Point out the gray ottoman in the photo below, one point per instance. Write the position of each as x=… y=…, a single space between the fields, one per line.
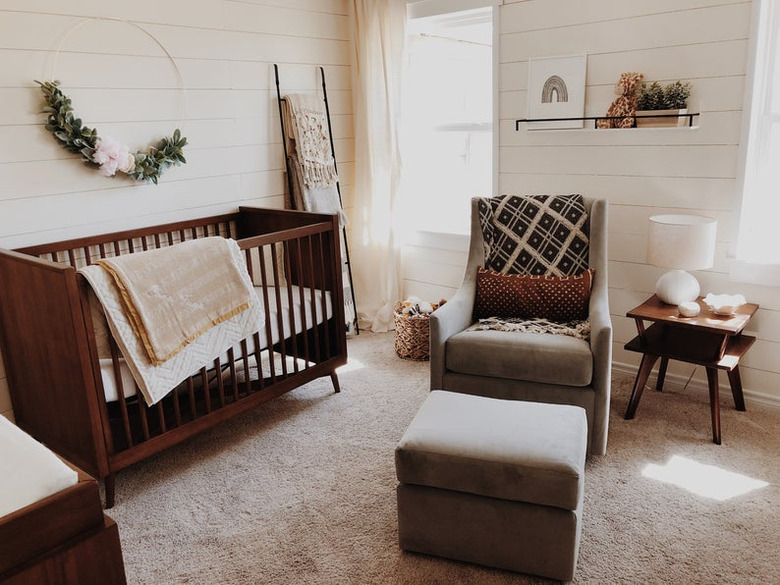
x=494 y=482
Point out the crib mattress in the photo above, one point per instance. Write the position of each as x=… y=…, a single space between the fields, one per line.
x=289 y=326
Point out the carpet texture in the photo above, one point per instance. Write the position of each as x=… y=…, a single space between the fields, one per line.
x=302 y=490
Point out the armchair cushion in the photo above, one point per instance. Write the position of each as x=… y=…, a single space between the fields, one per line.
x=535 y=234
x=531 y=357
x=557 y=298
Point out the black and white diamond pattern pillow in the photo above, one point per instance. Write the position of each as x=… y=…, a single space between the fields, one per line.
x=535 y=234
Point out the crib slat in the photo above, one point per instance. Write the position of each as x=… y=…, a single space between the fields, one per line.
x=302 y=305
x=259 y=360
x=142 y=411
x=245 y=359
x=325 y=320
x=176 y=408
x=233 y=379
x=220 y=381
x=191 y=391
x=161 y=416
x=204 y=380
x=291 y=305
x=120 y=391
x=278 y=295
x=266 y=309
x=313 y=301
x=256 y=337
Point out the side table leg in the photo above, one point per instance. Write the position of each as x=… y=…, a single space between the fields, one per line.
x=712 y=381
x=736 y=388
x=645 y=367
x=659 y=383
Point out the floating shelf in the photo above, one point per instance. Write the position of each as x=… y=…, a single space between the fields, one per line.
x=597 y=118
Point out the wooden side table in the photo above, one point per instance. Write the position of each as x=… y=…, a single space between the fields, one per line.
x=713 y=341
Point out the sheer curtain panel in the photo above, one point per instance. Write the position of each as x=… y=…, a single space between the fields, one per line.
x=379 y=32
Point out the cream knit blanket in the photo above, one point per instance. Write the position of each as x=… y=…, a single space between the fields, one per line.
x=172 y=295
x=174 y=309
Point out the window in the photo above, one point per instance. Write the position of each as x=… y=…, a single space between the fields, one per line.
x=448 y=119
x=758 y=245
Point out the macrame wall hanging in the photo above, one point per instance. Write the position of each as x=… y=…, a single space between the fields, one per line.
x=103 y=153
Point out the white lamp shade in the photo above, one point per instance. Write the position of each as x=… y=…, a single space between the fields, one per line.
x=684 y=242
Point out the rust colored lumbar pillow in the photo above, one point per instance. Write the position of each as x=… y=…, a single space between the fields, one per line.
x=557 y=298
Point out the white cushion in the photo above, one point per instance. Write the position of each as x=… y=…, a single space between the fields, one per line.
x=28 y=470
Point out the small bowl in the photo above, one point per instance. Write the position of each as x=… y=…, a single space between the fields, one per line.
x=725 y=305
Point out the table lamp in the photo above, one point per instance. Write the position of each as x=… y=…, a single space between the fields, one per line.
x=680 y=242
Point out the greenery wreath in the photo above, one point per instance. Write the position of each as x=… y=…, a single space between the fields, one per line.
x=105 y=154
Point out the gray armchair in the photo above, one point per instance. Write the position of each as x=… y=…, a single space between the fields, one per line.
x=538 y=367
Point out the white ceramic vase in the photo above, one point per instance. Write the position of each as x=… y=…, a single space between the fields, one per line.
x=677 y=286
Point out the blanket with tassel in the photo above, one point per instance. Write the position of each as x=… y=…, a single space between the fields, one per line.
x=308 y=123
x=171 y=310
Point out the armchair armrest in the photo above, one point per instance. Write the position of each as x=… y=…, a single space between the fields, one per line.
x=601 y=347
x=451 y=318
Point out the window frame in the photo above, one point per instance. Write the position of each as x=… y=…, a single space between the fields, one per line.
x=424 y=8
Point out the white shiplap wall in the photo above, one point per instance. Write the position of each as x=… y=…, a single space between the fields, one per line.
x=640 y=172
x=122 y=82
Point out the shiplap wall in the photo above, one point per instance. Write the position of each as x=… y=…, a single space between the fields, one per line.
x=122 y=82
x=640 y=172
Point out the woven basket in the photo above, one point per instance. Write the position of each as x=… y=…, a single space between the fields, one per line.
x=412 y=336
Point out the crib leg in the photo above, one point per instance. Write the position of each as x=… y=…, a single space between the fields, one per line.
x=335 y=379
x=109 y=482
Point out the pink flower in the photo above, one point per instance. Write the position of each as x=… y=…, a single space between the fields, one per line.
x=112 y=157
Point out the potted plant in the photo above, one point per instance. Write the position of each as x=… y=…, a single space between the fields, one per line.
x=662 y=105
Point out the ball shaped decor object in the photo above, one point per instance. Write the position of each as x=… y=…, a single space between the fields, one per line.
x=677 y=286
x=689 y=309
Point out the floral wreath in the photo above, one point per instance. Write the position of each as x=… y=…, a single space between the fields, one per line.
x=106 y=154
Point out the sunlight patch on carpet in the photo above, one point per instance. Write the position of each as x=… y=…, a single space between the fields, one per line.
x=351 y=366
x=704 y=480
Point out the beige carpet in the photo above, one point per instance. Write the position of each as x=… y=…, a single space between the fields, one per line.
x=302 y=490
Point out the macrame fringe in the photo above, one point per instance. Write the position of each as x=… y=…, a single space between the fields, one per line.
x=576 y=329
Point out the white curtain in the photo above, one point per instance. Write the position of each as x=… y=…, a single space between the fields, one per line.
x=379 y=32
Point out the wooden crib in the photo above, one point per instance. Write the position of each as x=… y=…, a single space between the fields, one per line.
x=87 y=408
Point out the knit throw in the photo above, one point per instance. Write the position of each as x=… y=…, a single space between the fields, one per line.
x=309 y=128
x=576 y=329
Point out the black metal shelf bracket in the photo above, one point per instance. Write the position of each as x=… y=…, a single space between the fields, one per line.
x=596 y=119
